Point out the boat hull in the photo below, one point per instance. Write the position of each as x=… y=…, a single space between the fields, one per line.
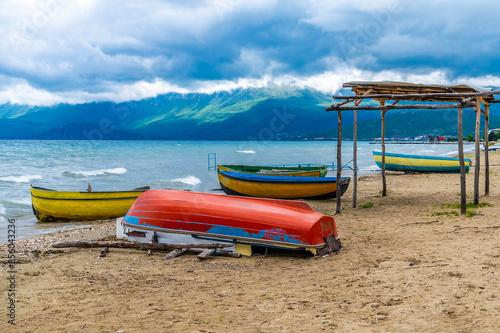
x=59 y=206
x=419 y=163
x=281 y=187
x=183 y=215
x=276 y=171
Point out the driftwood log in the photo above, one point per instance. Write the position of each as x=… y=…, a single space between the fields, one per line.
x=221 y=253
x=203 y=250
x=174 y=253
x=139 y=246
x=205 y=254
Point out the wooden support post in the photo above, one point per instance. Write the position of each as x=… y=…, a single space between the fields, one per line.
x=104 y=252
x=153 y=239
x=460 y=134
x=355 y=158
x=339 y=158
x=477 y=164
x=486 y=151
x=384 y=182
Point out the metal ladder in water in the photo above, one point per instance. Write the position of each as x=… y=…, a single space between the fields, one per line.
x=212 y=157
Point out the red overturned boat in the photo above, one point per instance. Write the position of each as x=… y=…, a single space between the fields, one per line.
x=174 y=216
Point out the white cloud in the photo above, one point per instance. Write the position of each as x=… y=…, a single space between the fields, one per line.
x=56 y=51
x=328 y=82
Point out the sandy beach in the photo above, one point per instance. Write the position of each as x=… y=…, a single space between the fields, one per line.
x=410 y=263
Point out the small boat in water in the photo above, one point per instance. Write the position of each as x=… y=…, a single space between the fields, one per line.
x=420 y=163
x=53 y=206
x=174 y=216
x=298 y=171
x=281 y=187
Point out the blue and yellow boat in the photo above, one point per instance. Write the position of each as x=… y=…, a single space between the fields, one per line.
x=281 y=187
x=420 y=163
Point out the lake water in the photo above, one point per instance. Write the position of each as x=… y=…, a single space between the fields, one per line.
x=124 y=165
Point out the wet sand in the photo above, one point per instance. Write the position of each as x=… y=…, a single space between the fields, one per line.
x=410 y=263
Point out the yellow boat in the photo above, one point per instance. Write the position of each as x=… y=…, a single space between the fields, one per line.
x=53 y=206
x=281 y=187
x=419 y=163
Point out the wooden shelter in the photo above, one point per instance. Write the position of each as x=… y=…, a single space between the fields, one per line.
x=444 y=97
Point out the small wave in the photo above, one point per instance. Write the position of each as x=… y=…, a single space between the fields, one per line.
x=26 y=202
x=20 y=179
x=244 y=151
x=102 y=172
x=2 y=213
x=188 y=180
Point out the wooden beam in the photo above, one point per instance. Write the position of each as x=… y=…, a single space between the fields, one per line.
x=358 y=101
x=339 y=158
x=477 y=165
x=463 y=203
x=384 y=183
x=139 y=246
x=355 y=158
x=402 y=107
x=355 y=153
x=404 y=96
x=486 y=151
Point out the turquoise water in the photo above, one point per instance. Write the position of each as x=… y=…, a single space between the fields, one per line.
x=124 y=165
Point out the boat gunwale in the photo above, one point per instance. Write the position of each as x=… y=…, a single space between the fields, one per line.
x=42 y=189
x=270 y=167
x=283 y=179
x=83 y=199
x=198 y=233
x=421 y=157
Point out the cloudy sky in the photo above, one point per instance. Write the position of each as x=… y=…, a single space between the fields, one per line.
x=55 y=51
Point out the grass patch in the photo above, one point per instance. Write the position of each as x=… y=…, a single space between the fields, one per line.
x=446 y=213
x=367 y=205
x=469 y=205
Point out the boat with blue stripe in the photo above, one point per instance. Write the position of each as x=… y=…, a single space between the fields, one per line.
x=281 y=187
x=420 y=163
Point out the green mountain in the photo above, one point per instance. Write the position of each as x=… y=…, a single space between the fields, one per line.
x=408 y=125
x=270 y=113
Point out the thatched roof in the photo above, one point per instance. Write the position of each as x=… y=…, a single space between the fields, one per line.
x=444 y=93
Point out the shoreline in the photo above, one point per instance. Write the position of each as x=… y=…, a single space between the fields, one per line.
x=409 y=262
x=101 y=229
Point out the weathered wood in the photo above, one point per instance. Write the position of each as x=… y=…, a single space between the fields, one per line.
x=463 y=203
x=422 y=96
x=136 y=245
x=384 y=182
x=402 y=107
x=486 y=150
x=205 y=254
x=355 y=158
x=153 y=239
x=174 y=253
x=222 y=253
x=339 y=158
x=477 y=165
x=104 y=252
